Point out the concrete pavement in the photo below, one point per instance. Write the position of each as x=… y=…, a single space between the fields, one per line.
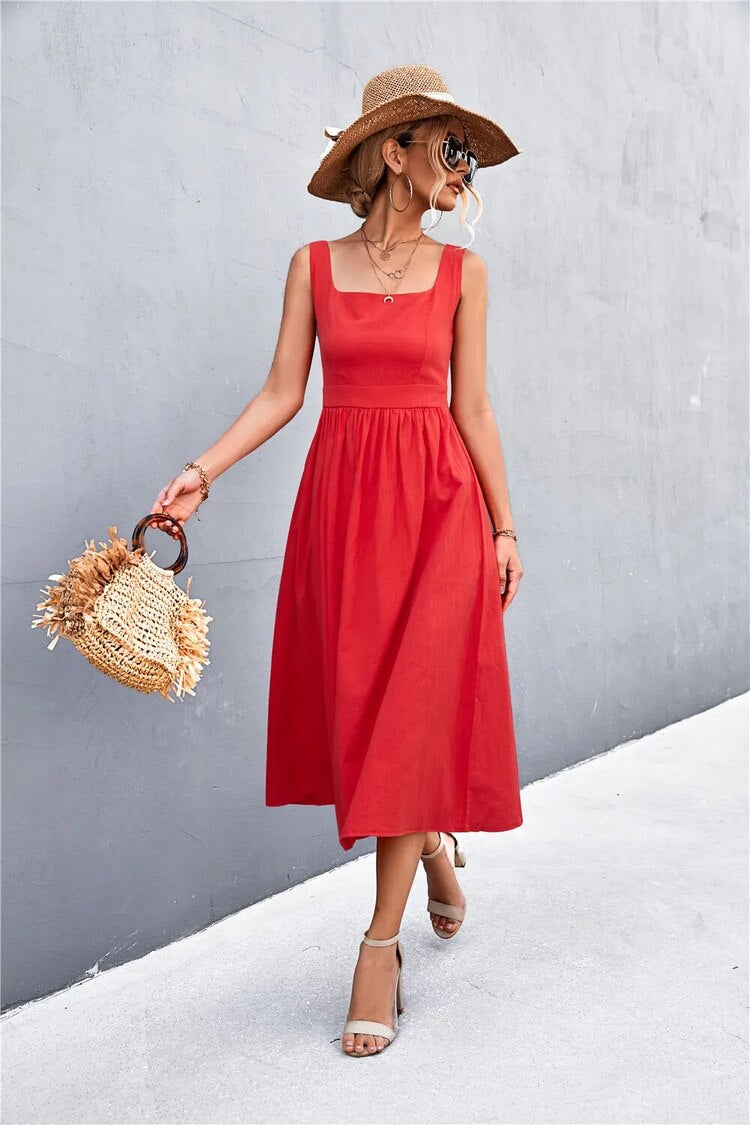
x=600 y=976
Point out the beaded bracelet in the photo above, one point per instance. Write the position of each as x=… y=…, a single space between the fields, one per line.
x=205 y=485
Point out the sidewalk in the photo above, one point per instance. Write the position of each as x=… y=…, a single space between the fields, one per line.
x=600 y=976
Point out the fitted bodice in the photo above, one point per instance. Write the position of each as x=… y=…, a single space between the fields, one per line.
x=366 y=342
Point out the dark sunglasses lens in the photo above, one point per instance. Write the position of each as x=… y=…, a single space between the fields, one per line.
x=471 y=160
x=454 y=154
x=451 y=151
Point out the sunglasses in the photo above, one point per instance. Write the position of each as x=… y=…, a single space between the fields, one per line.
x=453 y=152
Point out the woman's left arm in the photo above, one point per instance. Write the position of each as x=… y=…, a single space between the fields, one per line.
x=472 y=412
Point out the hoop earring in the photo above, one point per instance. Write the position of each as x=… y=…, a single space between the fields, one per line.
x=425 y=229
x=390 y=192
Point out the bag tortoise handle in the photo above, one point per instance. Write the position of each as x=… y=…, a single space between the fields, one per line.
x=161 y=518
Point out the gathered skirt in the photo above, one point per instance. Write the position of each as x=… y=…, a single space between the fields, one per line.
x=389 y=695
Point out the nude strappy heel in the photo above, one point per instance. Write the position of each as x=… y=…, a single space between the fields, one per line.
x=372 y=1027
x=444 y=909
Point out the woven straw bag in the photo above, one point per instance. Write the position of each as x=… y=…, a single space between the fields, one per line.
x=128 y=616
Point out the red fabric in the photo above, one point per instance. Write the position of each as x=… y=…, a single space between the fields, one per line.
x=389 y=695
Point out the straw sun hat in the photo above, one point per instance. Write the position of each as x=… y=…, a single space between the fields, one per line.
x=404 y=93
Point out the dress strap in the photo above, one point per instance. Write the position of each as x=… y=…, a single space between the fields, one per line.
x=319 y=278
x=449 y=276
x=315 y=265
x=458 y=263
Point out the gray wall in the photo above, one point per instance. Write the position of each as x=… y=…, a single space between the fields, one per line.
x=155 y=163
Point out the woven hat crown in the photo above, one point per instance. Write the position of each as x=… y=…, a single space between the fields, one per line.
x=402 y=80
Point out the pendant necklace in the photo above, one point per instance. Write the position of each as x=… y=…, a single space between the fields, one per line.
x=395 y=275
x=384 y=252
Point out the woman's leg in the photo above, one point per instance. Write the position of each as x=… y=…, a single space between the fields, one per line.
x=442 y=883
x=375 y=973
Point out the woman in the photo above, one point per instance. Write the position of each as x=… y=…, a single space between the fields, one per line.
x=389 y=695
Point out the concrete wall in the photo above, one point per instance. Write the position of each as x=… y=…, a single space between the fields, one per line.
x=155 y=163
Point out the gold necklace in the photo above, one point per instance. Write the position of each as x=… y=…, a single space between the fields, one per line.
x=397 y=274
x=384 y=252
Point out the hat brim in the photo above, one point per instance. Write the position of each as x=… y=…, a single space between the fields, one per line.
x=488 y=140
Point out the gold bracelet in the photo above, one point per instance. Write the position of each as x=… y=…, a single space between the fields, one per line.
x=504 y=531
x=205 y=484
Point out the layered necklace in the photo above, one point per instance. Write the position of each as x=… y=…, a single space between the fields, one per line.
x=384 y=253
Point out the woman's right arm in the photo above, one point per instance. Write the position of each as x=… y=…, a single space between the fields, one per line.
x=275 y=404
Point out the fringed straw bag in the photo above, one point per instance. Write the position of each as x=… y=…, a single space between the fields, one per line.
x=128 y=616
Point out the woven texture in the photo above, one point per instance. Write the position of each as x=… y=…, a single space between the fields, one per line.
x=390 y=84
x=129 y=618
x=401 y=94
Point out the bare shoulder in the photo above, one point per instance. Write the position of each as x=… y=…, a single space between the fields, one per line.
x=299 y=265
x=473 y=273
x=475 y=266
x=301 y=256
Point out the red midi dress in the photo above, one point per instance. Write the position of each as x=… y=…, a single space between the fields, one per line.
x=389 y=695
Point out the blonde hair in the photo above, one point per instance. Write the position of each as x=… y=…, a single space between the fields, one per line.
x=368 y=172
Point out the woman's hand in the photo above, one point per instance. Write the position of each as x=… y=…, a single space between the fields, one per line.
x=509 y=567
x=179 y=499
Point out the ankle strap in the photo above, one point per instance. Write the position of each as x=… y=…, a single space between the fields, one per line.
x=381 y=941
x=431 y=855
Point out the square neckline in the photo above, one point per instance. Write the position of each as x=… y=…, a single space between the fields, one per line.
x=382 y=294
